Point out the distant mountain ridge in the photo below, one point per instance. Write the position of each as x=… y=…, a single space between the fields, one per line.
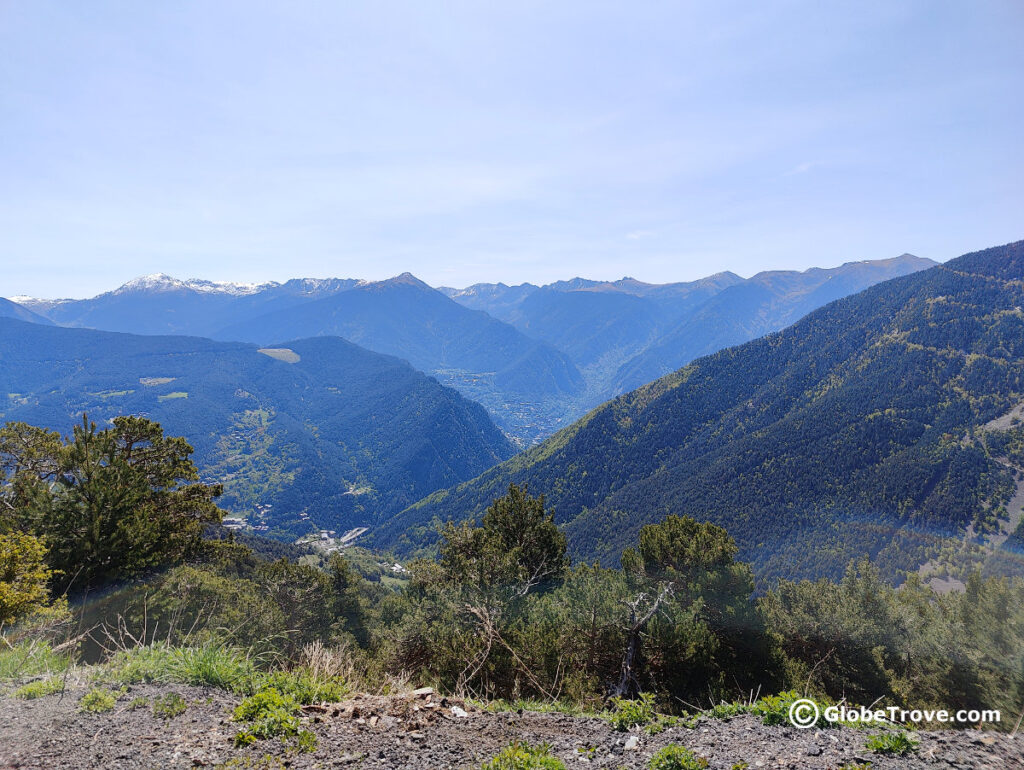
x=764 y=303
x=511 y=374
x=859 y=430
x=517 y=378
x=536 y=357
x=624 y=333
x=160 y=304
x=9 y=309
x=315 y=433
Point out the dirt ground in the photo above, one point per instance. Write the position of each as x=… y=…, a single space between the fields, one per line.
x=427 y=732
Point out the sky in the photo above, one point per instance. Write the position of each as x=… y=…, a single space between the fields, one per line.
x=492 y=141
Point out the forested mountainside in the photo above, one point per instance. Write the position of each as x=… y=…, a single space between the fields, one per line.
x=765 y=303
x=622 y=334
x=10 y=309
x=522 y=382
x=318 y=428
x=858 y=430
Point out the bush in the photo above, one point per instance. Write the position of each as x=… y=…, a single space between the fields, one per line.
x=676 y=757
x=97 y=700
x=24 y=578
x=895 y=743
x=627 y=713
x=523 y=756
x=39 y=688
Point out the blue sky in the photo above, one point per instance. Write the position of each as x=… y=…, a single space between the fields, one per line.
x=486 y=141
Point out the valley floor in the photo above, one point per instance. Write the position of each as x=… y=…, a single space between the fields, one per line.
x=425 y=733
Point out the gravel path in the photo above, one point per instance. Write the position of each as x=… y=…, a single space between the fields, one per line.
x=424 y=733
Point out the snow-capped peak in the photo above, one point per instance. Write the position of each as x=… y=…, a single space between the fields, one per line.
x=164 y=282
x=154 y=282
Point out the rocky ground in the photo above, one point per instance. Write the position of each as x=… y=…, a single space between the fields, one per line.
x=427 y=732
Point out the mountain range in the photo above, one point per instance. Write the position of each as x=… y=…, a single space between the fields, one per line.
x=878 y=422
x=520 y=380
x=536 y=357
x=622 y=334
x=315 y=433
x=877 y=425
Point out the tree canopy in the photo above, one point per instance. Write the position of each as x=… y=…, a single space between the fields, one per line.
x=108 y=503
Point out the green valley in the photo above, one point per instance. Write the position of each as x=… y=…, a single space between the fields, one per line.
x=287 y=435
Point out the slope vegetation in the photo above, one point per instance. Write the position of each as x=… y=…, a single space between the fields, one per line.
x=316 y=432
x=852 y=432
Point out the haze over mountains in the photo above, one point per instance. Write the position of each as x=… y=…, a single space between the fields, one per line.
x=625 y=333
x=535 y=357
x=316 y=433
x=10 y=309
x=866 y=428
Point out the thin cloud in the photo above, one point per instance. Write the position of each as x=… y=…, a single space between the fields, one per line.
x=803 y=168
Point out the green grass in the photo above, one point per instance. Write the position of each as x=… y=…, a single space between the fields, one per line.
x=211 y=665
x=896 y=744
x=523 y=756
x=30 y=658
x=304 y=687
x=40 y=688
x=221 y=666
x=676 y=757
x=627 y=714
x=97 y=701
x=771 y=709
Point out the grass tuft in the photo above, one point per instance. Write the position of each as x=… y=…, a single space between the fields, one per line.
x=523 y=756
x=30 y=658
x=40 y=688
x=169 y=706
x=211 y=665
x=895 y=743
x=676 y=757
